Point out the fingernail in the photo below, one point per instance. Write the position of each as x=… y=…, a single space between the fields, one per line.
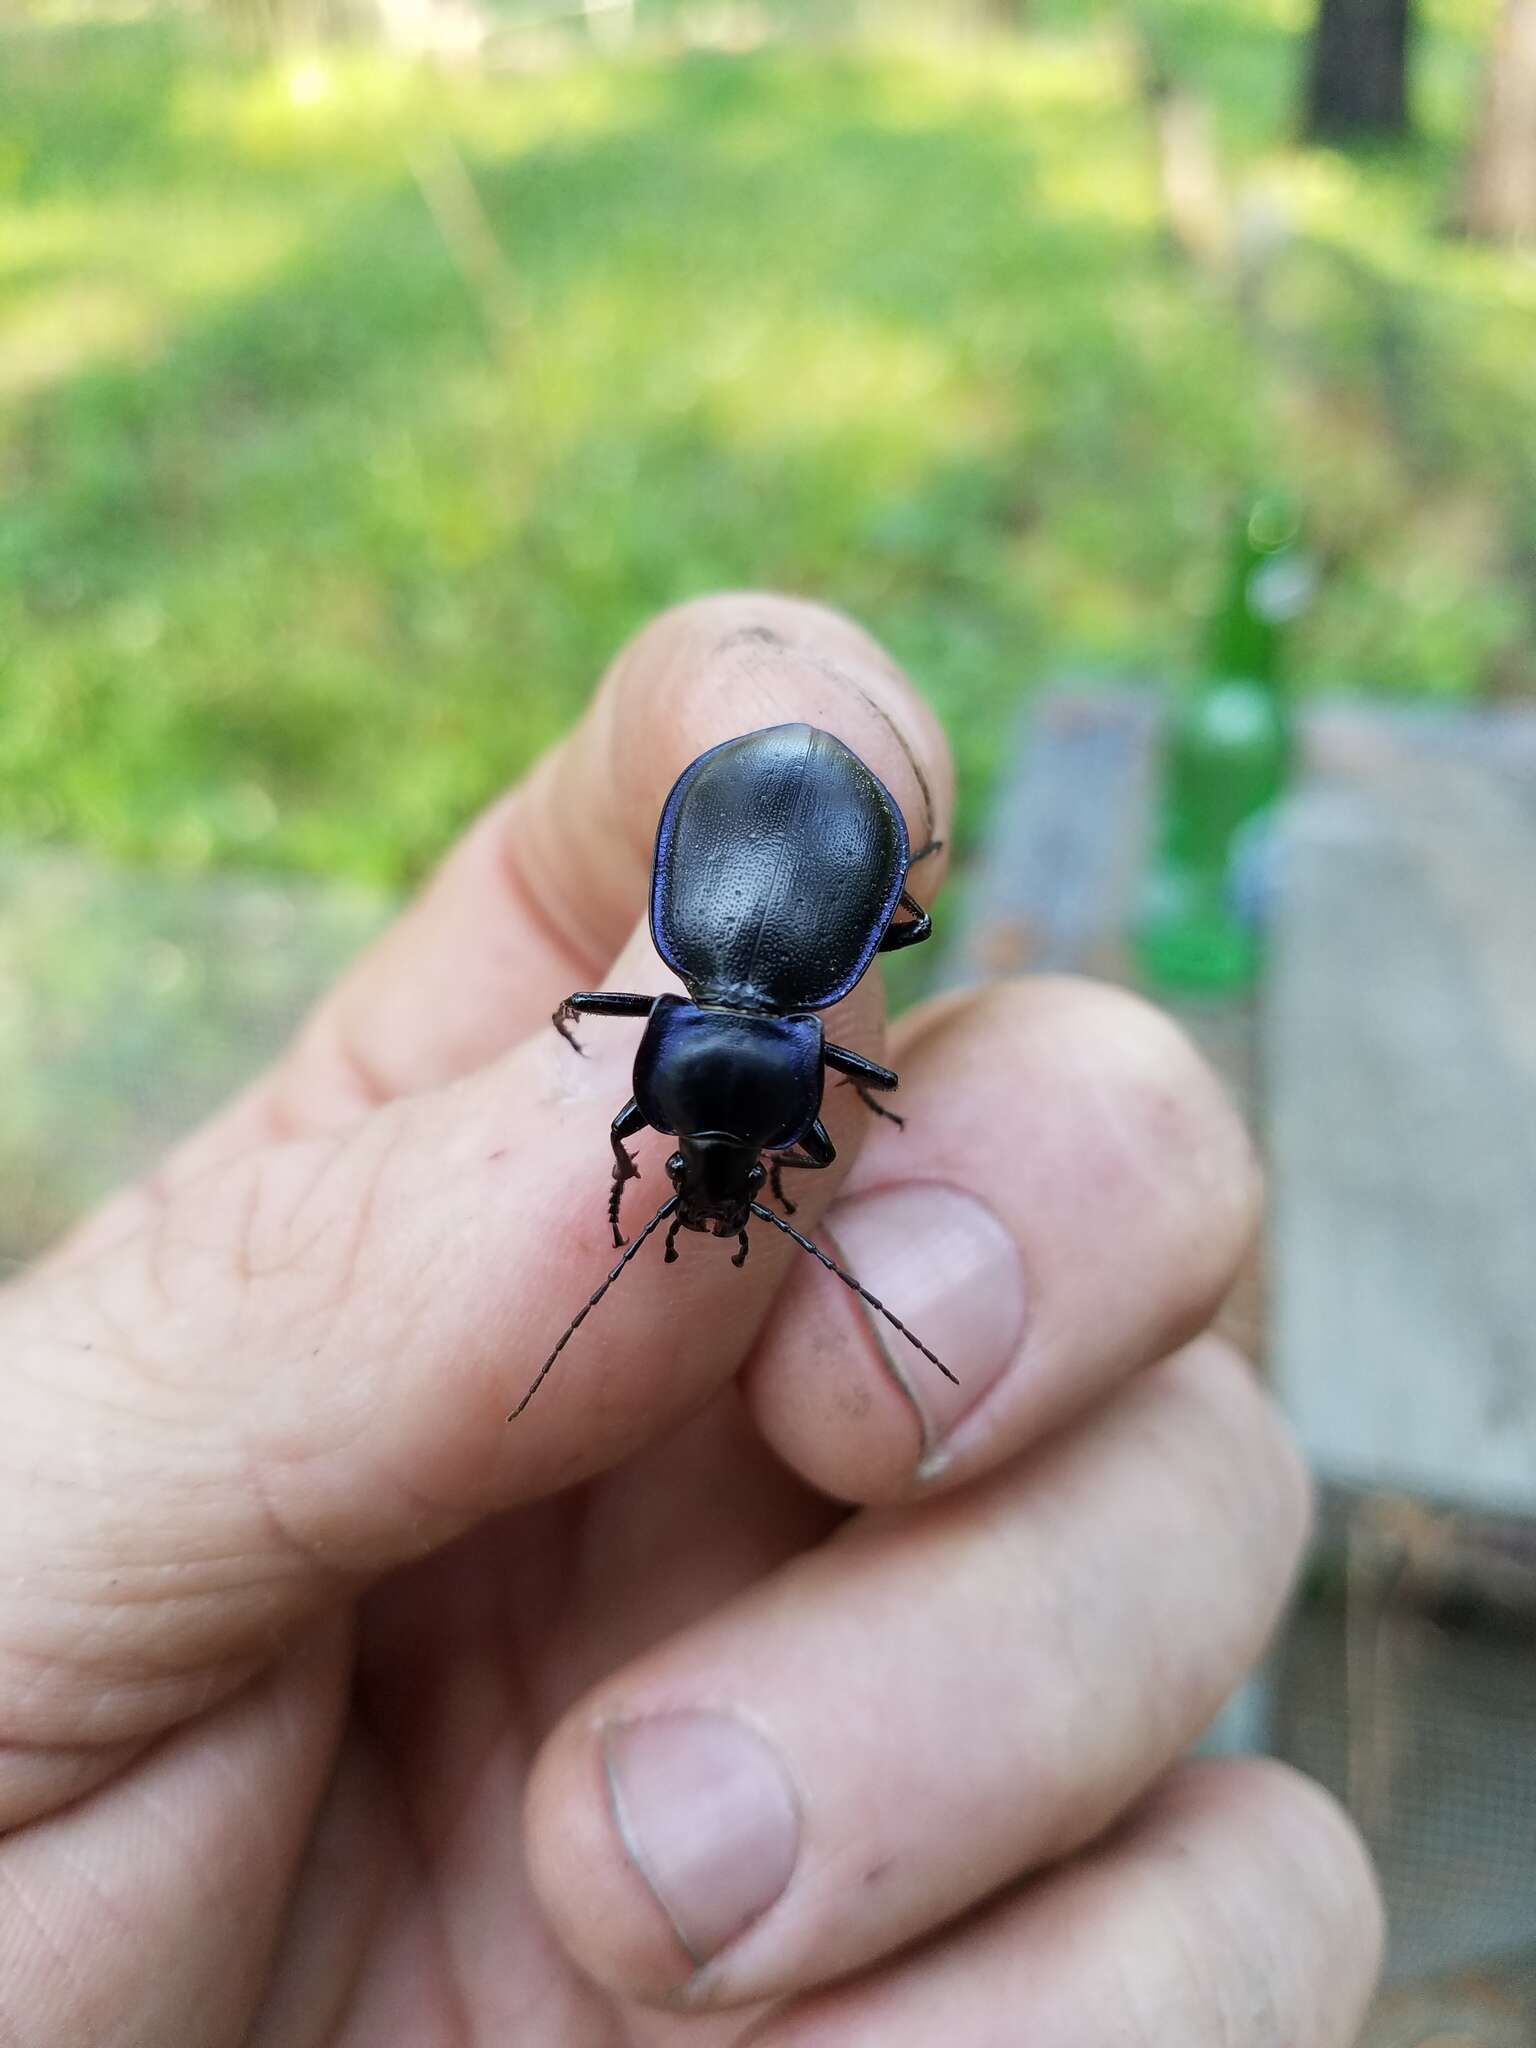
x=949 y=1267
x=707 y=1815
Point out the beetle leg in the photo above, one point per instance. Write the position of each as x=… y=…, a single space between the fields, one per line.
x=602 y=1002
x=669 y=1256
x=862 y=1076
x=925 y=852
x=817 y=1146
x=616 y=1193
x=740 y=1258
x=858 y=1069
x=899 y=935
x=630 y=1119
x=861 y=1089
x=777 y=1166
x=809 y=1145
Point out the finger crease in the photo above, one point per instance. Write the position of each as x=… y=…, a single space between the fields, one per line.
x=564 y=939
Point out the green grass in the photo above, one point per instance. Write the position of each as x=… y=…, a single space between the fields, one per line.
x=309 y=538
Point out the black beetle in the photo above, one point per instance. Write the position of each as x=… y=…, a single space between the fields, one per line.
x=781 y=862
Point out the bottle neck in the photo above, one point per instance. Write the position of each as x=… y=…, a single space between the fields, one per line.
x=1247 y=636
x=1269 y=585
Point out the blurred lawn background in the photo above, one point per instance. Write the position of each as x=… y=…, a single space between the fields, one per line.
x=353 y=410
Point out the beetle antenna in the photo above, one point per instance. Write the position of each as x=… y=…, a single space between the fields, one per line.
x=848 y=1280
x=582 y=1313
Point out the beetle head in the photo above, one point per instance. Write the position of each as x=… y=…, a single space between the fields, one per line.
x=717 y=1179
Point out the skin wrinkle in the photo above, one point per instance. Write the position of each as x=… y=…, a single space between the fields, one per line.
x=146 y=1688
x=249 y=1814
x=331 y=1155
x=308 y=1551
x=135 y=1705
x=536 y=901
x=157 y=1576
x=156 y=1249
x=183 y=1238
x=547 y=816
x=259 y=1461
x=170 y=1818
x=275 y=1247
x=243 y=1241
x=1241 y=1998
x=35 y=1786
x=151 y=1581
x=304 y=1553
x=291 y=1542
x=238 y=1217
x=1205 y=1995
x=62 y=1953
x=637 y=820
x=276 y=1120
x=367 y=1086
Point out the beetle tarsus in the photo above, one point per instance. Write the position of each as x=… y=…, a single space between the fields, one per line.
x=624 y=1168
x=898 y=936
x=873 y=1102
x=776 y=1183
x=562 y=1019
x=629 y=1121
x=669 y=1257
x=740 y=1258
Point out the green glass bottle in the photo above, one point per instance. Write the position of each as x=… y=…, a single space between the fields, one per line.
x=1227 y=757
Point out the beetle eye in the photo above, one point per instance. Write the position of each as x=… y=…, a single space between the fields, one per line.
x=675 y=1167
x=757 y=1177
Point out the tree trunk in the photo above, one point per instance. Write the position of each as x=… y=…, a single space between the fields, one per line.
x=1501 y=182
x=1357 y=80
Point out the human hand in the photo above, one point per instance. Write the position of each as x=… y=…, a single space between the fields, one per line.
x=335 y=1711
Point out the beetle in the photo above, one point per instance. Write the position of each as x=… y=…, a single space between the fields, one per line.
x=780 y=871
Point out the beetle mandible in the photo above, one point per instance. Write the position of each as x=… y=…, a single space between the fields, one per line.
x=781 y=865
